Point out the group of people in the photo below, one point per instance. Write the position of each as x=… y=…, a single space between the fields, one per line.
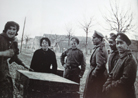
x=111 y=75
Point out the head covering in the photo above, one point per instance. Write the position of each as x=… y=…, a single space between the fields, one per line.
x=46 y=39
x=11 y=23
x=98 y=34
x=113 y=36
x=123 y=37
x=77 y=40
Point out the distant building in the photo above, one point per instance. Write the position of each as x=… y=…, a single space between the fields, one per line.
x=59 y=43
x=30 y=44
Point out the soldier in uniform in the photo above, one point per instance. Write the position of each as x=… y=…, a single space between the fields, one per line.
x=96 y=76
x=120 y=83
x=75 y=58
x=114 y=55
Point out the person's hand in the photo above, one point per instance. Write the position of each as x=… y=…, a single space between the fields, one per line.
x=65 y=66
x=26 y=67
x=81 y=75
x=8 y=53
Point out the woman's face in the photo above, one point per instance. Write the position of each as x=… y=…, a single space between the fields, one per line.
x=44 y=45
x=11 y=32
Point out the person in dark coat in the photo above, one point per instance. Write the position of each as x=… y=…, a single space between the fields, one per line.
x=44 y=58
x=96 y=76
x=8 y=50
x=75 y=58
x=114 y=55
x=120 y=83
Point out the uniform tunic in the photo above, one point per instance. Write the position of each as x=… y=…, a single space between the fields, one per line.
x=43 y=60
x=120 y=83
x=96 y=76
x=75 y=58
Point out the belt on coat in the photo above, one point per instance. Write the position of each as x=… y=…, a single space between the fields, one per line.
x=72 y=67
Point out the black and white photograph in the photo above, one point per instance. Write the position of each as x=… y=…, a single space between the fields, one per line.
x=68 y=48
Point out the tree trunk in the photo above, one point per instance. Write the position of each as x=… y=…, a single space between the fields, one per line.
x=86 y=47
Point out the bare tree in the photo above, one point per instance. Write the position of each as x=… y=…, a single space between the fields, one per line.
x=86 y=26
x=119 y=20
x=26 y=39
x=136 y=37
x=55 y=39
x=69 y=34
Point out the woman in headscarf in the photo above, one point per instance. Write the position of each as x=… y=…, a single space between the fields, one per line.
x=8 y=49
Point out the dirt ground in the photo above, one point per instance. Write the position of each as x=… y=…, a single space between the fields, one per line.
x=26 y=58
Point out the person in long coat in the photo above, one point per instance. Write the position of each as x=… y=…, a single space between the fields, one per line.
x=75 y=58
x=113 y=55
x=44 y=58
x=8 y=50
x=97 y=73
x=120 y=83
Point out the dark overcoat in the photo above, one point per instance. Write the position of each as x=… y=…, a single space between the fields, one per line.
x=6 y=85
x=42 y=61
x=96 y=76
x=120 y=83
x=112 y=59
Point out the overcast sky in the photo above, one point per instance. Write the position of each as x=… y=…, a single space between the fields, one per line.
x=55 y=16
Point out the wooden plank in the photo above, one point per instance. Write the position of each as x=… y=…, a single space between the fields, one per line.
x=45 y=77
